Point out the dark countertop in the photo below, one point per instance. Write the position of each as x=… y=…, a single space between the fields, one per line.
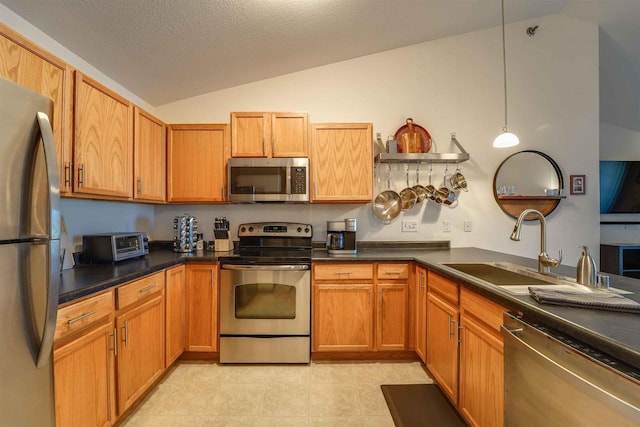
x=617 y=334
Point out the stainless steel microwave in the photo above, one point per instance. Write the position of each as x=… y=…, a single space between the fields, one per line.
x=258 y=179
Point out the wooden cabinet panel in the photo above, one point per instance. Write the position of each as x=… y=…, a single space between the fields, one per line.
x=250 y=133
x=342 y=317
x=84 y=384
x=202 y=307
x=139 y=289
x=83 y=314
x=103 y=146
x=393 y=271
x=442 y=343
x=421 y=314
x=289 y=134
x=149 y=157
x=444 y=287
x=343 y=271
x=392 y=316
x=175 y=312
x=140 y=350
x=26 y=64
x=342 y=162
x=481 y=375
x=263 y=134
x=197 y=163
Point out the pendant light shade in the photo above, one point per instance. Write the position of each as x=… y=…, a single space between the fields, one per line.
x=506 y=138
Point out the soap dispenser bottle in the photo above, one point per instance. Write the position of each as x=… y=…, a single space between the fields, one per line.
x=586 y=270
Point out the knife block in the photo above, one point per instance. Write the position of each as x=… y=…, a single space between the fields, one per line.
x=223 y=245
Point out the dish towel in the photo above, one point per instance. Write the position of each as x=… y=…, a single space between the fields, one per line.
x=598 y=300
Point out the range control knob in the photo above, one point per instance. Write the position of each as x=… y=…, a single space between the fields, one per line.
x=306 y=230
x=299 y=229
x=243 y=229
x=250 y=229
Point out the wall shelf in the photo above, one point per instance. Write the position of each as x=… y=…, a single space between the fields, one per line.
x=463 y=156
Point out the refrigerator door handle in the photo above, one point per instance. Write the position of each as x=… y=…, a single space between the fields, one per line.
x=53 y=183
x=46 y=345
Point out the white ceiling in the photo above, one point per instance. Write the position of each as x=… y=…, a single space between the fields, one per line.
x=166 y=50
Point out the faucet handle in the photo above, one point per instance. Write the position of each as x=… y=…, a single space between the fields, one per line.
x=559 y=260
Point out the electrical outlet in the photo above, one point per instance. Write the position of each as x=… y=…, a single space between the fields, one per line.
x=446 y=226
x=409 y=226
x=467 y=226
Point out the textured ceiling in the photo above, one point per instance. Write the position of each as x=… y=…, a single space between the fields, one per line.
x=166 y=50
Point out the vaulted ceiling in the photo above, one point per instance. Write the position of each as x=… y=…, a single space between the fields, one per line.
x=166 y=50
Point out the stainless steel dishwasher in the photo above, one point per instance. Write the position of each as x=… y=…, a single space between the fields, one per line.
x=553 y=380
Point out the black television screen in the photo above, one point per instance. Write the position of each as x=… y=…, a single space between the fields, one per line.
x=619 y=187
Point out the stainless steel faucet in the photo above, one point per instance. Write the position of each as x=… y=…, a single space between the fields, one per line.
x=544 y=261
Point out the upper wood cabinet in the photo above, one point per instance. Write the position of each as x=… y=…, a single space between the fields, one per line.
x=269 y=134
x=24 y=63
x=149 y=157
x=103 y=146
x=342 y=162
x=197 y=162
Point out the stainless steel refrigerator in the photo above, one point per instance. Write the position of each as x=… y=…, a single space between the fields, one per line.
x=29 y=257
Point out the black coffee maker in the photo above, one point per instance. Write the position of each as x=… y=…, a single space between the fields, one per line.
x=341 y=237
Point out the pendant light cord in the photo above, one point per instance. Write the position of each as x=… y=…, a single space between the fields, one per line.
x=504 y=65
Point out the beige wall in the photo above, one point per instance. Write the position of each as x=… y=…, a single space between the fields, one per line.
x=451 y=84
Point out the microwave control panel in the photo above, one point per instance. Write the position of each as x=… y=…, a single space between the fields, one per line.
x=298 y=180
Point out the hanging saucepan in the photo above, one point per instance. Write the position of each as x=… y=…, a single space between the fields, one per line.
x=458 y=181
x=419 y=189
x=429 y=188
x=408 y=196
x=387 y=205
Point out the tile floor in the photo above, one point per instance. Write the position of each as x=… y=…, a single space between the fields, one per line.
x=319 y=394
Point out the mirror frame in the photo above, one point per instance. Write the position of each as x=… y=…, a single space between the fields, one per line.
x=514 y=205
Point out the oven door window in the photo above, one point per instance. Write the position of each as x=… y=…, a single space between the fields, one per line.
x=259 y=180
x=265 y=301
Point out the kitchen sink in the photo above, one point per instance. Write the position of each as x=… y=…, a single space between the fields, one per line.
x=514 y=278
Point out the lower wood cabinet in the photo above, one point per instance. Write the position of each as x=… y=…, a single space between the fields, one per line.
x=202 y=307
x=421 y=313
x=84 y=381
x=175 y=313
x=360 y=307
x=442 y=343
x=481 y=361
x=141 y=349
x=342 y=317
x=465 y=350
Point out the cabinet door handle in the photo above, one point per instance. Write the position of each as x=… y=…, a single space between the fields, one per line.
x=370 y=299
x=67 y=174
x=398 y=272
x=380 y=297
x=213 y=278
x=81 y=176
x=264 y=146
x=77 y=319
x=115 y=341
x=315 y=189
x=459 y=337
x=451 y=321
x=139 y=185
x=343 y=272
x=147 y=288
x=126 y=333
x=273 y=145
x=421 y=281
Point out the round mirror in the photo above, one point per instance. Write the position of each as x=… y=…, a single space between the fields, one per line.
x=528 y=180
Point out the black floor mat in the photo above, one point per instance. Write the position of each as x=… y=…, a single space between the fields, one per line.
x=420 y=405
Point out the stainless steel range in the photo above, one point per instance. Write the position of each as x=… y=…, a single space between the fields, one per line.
x=265 y=295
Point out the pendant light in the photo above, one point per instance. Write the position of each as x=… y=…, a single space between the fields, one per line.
x=506 y=138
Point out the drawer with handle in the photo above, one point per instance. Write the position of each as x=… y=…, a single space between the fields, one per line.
x=139 y=289
x=83 y=314
x=393 y=271
x=343 y=271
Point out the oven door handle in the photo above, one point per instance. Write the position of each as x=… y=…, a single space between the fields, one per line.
x=265 y=267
